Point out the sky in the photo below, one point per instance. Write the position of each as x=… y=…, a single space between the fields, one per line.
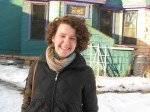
x=122 y=94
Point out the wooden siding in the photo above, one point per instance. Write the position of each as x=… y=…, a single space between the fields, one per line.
x=10 y=26
x=119 y=62
x=56 y=9
x=127 y=3
x=29 y=47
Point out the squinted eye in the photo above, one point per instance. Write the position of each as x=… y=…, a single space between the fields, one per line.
x=62 y=36
x=73 y=38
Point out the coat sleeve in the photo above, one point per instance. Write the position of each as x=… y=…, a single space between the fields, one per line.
x=90 y=103
x=28 y=89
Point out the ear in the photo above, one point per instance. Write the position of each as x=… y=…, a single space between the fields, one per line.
x=53 y=39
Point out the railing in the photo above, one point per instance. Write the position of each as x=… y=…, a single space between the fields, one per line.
x=96 y=57
x=109 y=61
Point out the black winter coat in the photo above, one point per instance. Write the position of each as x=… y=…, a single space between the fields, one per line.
x=73 y=90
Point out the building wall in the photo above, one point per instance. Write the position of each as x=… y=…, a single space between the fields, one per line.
x=143 y=22
x=16 y=34
x=117 y=66
x=127 y=3
x=143 y=41
x=118 y=61
x=56 y=9
x=29 y=47
x=10 y=26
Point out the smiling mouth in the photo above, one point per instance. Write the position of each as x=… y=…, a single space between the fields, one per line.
x=65 y=48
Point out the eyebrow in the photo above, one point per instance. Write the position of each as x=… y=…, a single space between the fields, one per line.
x=65 y=34
x=62 y=33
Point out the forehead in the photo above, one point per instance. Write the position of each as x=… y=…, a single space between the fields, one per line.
x=65 y=28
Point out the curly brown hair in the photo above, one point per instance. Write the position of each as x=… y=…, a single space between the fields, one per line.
x=82 y=33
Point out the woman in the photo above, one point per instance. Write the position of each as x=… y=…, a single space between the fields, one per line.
x=61 y=81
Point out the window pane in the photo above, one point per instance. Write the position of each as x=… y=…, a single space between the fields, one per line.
x=79 y=9
x=130 y=27
x=76 y=10
x=38 y=21
x=118 y=27
x=106 y=22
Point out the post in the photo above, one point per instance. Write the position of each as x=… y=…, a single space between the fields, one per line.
x=105 y=61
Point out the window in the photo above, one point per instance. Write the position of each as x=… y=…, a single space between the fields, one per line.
x=121 y=25
x=130 y=28
x=106 y=22
x=117 y=31
x=38 y=21
x=81 y=10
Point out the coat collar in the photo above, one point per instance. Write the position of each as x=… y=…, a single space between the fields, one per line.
x=78 y=62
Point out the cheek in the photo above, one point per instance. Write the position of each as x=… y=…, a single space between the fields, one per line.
x=56 y=41
x=75 y=44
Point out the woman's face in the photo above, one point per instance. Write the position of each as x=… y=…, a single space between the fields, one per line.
x=64 y=40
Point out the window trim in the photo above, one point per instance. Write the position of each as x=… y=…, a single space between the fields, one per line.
x=123 y=38
x=112 y=20
x=30 y=17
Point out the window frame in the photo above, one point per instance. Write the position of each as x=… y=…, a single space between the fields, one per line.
x=123 y=27
x=30 y=19
x=111 y=28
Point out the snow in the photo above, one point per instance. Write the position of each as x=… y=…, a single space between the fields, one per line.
x=125 y=84
x=9 y=99
x=121 y=94
x=130 y=102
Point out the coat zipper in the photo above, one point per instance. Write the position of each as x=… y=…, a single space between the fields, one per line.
x=53 y=93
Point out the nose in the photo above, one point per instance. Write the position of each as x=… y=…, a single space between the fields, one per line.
x=66 y=42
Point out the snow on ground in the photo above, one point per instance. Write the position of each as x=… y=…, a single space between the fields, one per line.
x=122 y=84
x=14 y=74
x=121 y=100
x=10 y=99
x=129 y=102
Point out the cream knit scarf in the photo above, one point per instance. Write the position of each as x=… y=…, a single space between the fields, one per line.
x=56 y=64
